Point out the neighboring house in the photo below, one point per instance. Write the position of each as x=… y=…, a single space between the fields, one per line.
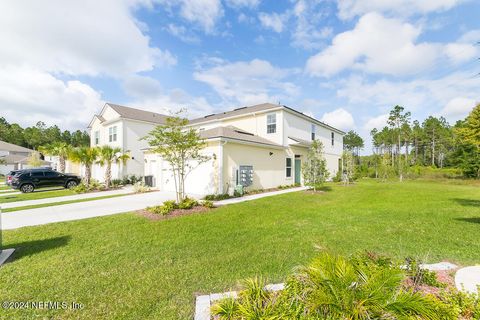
x=261 y=146
x=15 y=157
x=123 y=127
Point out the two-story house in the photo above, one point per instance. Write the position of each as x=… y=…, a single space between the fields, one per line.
x=261 y=146
x=123 y=127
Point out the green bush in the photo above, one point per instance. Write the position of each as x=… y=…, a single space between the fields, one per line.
x=164 y=209
x=140 y=187
x=217 y=197
x=421 y=276
x=460 y=304
x=115 y=183
x=207 y=204
x=334 y=287
x=188 y=203
x=80 y=188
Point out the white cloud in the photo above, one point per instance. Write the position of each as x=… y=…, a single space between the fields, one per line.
x=203 y=12
x=247 y=82
x=458 y=108
x=307 y=33
x=182 y=33
x=242 y=3
x=423 y=97
x=273 y=21
x=77 y=37
x=339 y=118
x=28 y=95
x=376 y=44
x=348 y=9
x=377 y=122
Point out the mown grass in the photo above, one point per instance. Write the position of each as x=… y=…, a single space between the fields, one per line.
x=126 y=266
x=37 y=194
x=43 y=205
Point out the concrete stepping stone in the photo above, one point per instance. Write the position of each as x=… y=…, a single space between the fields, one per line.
x=439 y=266
x=468 y=279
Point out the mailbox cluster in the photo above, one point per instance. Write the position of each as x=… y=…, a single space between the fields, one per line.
x=245 y=176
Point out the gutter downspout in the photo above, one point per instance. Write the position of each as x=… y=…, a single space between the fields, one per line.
x=220 y=167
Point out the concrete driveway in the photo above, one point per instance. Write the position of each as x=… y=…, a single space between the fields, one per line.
x=83 y=210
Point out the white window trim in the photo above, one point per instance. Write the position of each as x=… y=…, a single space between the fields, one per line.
x=291 y=168
x=313 y=132
x=274 y=123
x=112 y=134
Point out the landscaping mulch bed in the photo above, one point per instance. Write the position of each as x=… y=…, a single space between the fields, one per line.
x=175 y=213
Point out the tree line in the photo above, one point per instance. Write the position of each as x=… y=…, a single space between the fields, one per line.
x=38 y=135
x=404 y=144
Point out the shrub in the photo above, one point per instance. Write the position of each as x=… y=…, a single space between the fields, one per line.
x=421 y=276
x=188 y=203
x=140 y=187
x=164 y=209
x=80 y=188
x=217 y=197
x=116 y=183
x=462 y=305
x=207 y=204
x=334 y=287
x=134 y=179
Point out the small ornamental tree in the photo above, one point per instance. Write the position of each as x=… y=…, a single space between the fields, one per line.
x=348 y=169
x=314 y=169
x=108 y=155
x=34 y=160
x=180 y=146
x=59 y=149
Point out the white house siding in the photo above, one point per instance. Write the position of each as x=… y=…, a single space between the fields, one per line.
x=204 y=179
x=134 y=131
x=6 y=168
x=300 y=128
x=268 y=169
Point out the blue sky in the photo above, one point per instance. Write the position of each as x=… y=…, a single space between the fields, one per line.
x=346 y=62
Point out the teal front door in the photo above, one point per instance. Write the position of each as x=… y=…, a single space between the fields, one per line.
x=298 y=167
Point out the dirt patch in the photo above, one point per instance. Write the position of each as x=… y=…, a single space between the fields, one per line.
x=446 y=277
x=175 y=213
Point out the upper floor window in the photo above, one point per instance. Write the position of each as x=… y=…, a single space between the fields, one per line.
x=271 y=123
x=288 y=168
x=112 y=134
x=313 y=132
x=333 y=139
x=97 y=137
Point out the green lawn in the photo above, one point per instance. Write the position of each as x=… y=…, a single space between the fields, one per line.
x=125 y=266
x=4 y=187
x=43 y=205
x=37 y=194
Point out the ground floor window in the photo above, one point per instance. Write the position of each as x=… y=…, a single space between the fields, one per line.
x=288 y=168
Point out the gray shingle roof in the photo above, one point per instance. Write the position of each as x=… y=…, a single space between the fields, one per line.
x=236 y=112
x=13 y=147
x=137 y=114
x=235 y=133
x=256 y=108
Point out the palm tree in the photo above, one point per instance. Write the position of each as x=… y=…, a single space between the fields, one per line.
x=86 y=156
x=107 y=156
x=59 y=149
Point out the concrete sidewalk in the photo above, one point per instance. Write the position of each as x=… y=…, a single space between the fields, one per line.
x=257 y=196
x=89 y=195
x=83 y=210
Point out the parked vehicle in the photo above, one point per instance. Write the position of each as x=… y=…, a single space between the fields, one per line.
x=31 y=179
x=9 y=176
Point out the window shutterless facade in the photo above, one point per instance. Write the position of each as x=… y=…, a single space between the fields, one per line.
x=271 y=123
x=333 y=139
x=112 y=134
x=288 y=167
x=313 y=132
x=97 y=137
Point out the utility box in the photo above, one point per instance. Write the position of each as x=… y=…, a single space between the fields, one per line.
x=245 y=176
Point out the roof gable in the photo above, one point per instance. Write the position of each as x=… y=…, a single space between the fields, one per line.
x=13 y=147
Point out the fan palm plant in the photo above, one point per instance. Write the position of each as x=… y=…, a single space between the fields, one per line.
x=87 y=157
x=59 y=149
x=108 y=155
x=334 y=286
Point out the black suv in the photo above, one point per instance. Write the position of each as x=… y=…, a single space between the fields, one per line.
x=31 y=179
